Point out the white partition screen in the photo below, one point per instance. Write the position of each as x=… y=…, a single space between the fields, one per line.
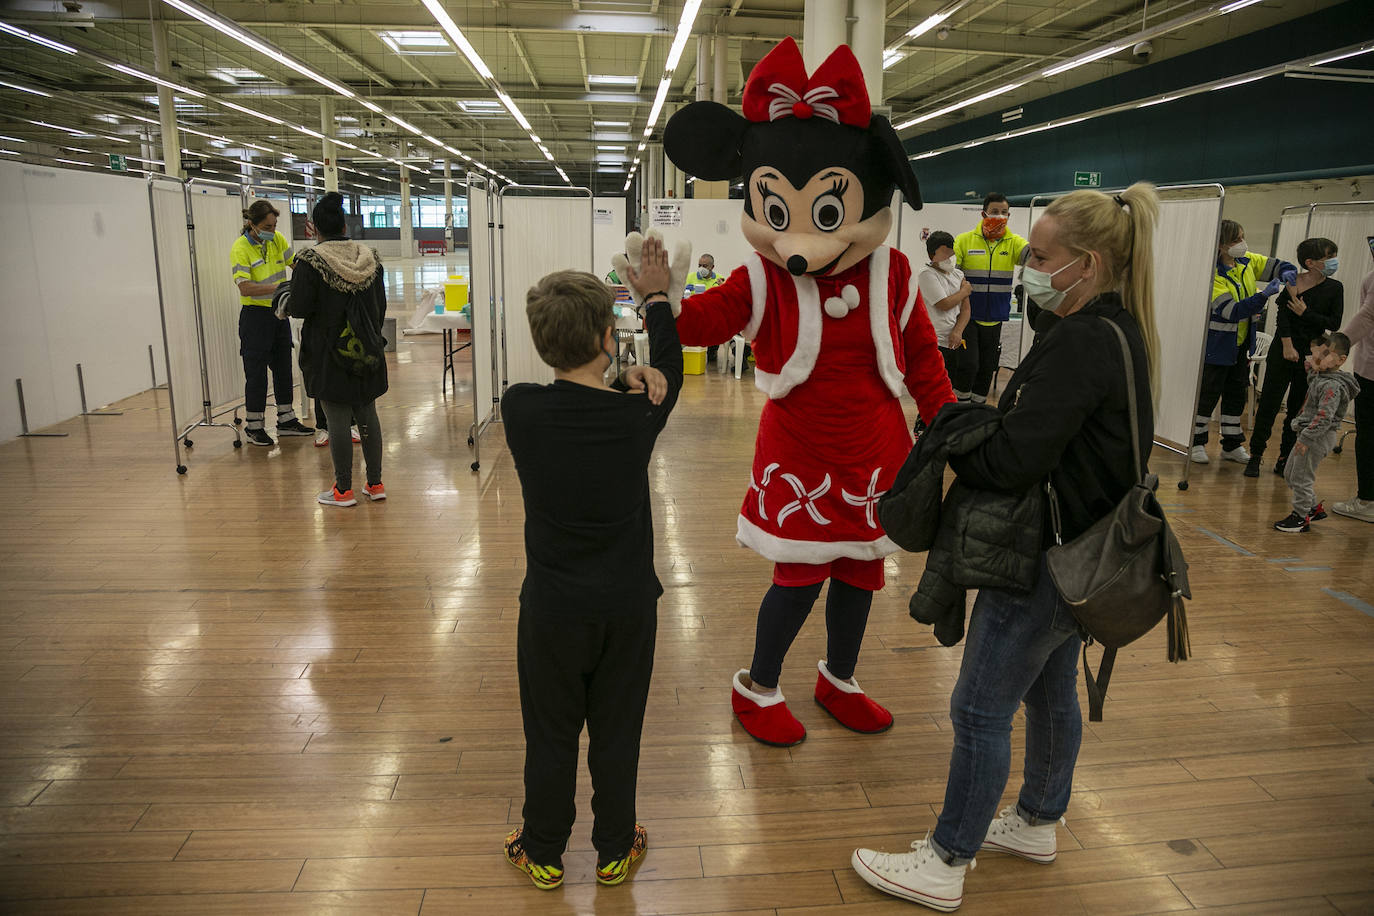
x=1348 y=225
x=1185 y=256
x=540 y=235
x=178 y=304
x=219 y=221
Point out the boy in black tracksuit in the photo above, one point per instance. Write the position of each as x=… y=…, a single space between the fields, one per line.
x=588 y=606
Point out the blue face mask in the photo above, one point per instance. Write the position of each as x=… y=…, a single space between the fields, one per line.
x=265 y=237
x=704 y=273
x=1329 y=268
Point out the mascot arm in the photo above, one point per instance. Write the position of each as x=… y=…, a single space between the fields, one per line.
x=712 y=317
x=926 y=378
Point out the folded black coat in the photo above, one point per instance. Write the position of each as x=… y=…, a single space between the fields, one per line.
x=976 y=538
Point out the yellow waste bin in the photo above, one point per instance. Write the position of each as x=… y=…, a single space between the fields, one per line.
x=455 y=293
x=693 y=360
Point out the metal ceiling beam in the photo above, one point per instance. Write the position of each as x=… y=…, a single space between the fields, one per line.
x=348 y=56
x=524 y=57
x=441 y=93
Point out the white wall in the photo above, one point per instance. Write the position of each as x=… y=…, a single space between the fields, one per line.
x=77 y=258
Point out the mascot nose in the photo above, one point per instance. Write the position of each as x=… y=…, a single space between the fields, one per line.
x=796 y=265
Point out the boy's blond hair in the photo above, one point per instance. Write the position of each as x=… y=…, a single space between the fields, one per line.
x=569 y=311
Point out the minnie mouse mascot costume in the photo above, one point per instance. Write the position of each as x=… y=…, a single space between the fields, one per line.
x=838 y=329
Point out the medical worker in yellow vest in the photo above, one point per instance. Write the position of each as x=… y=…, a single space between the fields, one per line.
x=1236 y=306
x=988 y=256
x=260 y=257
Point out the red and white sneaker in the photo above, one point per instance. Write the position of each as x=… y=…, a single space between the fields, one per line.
x=765 y=718
x=332 y=497
x=851 y=707
x=357 y=437
x=375 y=492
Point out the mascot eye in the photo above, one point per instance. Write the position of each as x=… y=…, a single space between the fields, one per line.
x=827 y=212
x=775 y=212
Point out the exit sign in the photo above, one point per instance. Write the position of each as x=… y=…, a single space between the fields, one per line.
x=118 y=163
x=1087 y=179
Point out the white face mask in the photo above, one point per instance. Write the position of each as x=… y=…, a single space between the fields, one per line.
x=947 y=264
x=1039 y=287
x=1237 y=250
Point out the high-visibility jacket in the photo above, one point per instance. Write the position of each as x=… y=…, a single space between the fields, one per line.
x=988 y=265
x=697 y=285
x=1236 y=298
x=261 y=263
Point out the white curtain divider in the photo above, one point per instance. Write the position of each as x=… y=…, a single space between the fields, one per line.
x=608 y=232
x=178 y=304
x=219 y=222
x=1347 y=224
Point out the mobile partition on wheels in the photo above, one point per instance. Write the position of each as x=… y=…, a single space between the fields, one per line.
x=1184 y=258
x=532 y=230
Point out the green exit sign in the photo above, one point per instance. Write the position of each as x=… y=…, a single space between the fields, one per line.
x=1087 y=179
x=118 y=163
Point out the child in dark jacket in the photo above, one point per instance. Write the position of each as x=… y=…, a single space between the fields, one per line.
x=588 y=605
x=1329 y=394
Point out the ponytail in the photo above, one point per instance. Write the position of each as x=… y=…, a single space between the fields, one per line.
x=1119 y=231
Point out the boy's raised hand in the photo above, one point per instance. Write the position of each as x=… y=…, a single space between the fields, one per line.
x=648 y=380
x=651 y=275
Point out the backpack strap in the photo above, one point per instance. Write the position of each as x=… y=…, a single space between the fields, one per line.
x=1097 y=686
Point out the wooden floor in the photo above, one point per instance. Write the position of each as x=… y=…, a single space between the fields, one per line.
x=221 y=697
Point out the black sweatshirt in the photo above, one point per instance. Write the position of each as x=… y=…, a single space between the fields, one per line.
x=1066 y=415
x=582 y=455
x=1325 y=308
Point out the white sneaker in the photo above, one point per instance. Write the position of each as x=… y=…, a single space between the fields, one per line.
x=1362 y=509
x=357 y=436
x=1199 y=455
x=321 y=438
x=1237 y=454
x=1011 y=833
x=919 y=876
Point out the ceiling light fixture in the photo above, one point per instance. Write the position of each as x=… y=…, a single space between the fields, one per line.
x=450 y=27
x=1084 y=59
x=29 y=89
x=981 y=97
x=36 y=38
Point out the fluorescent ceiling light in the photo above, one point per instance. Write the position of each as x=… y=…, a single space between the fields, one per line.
x=1159 y=101
x=12 y=139
x=659 y=98
x=1085 y=59
x=605 y=79
x=1239 y=82
x=232 y=75
x=1343 y=56
x=927 y=24
x=36 y=38
x=926 y=155
x=446 y=22
x=139 y=74
x=981 y=97
x=891 y=57
x=684 y=29
x=88 y=165
x=514 y=111
x=8 y=152
x=1238 y=5
x=610 y=124
x=614 y=149
x=480 y=106
x=30 y=90
x=404 y=41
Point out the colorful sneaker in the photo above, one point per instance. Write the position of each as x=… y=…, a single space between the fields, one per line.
x=1292 y=523
x=332 y=497
x=617 y=870
x=766 y=718
x=919 y=876
x=851 y=707
x=544 y=877
x=357 y=436
x=1318 y=514
x=258 y=437
x=294 y=427
x=321 y=438
x=1011 y=833
x=375 y=491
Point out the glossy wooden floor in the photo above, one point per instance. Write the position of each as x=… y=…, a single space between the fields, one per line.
x=221 y=697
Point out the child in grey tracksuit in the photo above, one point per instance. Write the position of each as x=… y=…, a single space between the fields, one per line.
x=1329 y=395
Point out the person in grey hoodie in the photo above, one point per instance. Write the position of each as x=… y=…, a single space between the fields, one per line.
x=1329 y=395
x=338 y=289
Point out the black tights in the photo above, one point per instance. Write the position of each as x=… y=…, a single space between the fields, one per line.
x=784 y=610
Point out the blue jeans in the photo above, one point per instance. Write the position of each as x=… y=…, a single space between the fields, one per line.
x=1020 y=647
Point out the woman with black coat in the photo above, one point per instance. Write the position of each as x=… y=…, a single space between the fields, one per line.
x=338 y=289
x=1065 y=418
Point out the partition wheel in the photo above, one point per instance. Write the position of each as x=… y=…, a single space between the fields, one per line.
x=238 y=421
x=187 y=442
x=238 y=443
x=181 y=469
x=471 y=442
x=475 y=465
x=1183 y=484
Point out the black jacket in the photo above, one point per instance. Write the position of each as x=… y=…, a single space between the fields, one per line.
x=338 y=288
x=976 y=538
x=1064 y=414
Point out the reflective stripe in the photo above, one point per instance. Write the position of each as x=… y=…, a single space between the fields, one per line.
x=980 y=287
x=242 y=269
x=1223 y=326
x=258 y=263
x=274 y=278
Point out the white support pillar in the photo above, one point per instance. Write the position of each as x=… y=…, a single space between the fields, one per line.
x=166 y=103
x=720 y=60
x=704 y=69
x=331 y=149
x=823 y=30
x=679 y=183
x=407 y=224
x=448 y=205
x=669 y=176
x=866 y=40
x=831 y=23
x=653 y=172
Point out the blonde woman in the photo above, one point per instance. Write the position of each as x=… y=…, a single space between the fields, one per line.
x=1065 y=416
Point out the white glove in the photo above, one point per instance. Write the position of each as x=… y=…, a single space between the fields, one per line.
x=679 y=265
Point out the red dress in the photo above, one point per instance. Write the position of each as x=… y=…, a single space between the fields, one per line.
x=832 y=435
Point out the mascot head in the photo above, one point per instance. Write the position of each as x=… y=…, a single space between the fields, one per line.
x=819 y=167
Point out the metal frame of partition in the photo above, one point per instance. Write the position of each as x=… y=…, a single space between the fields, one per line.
x=479 y=425
x=181 y=437
x=1184 y=449
x=496 y=227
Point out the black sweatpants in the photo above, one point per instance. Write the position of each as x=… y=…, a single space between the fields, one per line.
x=1231 y=386
x=1364 y=437
x=341 y=446
x=784 y=610
x=978 y=364
x=575 y=670
x=265 y=343
x=1280 y=376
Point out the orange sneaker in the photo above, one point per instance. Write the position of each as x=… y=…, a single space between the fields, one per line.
x=375 y=492
x=544 y=877
x=332 y=497
x=617 y=870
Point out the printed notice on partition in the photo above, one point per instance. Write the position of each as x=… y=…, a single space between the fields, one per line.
x=666 y=214
x=602 y=216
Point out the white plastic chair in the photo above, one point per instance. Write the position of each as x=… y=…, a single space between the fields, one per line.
x=732 y=351
x=1263 y=342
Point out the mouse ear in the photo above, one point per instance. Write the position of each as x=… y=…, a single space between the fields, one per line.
x=889 y=154
x=704 y=140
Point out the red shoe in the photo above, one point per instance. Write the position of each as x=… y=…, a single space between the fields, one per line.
x=850 y=706
x=766 y=719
